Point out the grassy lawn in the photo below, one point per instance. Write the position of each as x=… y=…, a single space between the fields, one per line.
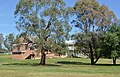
x=59 y=67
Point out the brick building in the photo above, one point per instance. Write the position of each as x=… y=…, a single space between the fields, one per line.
x=23 y=49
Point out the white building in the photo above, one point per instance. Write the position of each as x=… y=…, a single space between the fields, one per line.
x=71 y=47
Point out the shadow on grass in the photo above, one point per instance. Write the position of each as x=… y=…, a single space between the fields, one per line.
x=72 y=62
x=81 y=63
x=29 y=64
x=107 y=65
x=59 y=63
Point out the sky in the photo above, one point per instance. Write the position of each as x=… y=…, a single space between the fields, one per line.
x=7 y=8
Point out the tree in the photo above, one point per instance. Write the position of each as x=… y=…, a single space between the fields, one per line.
x=47 y=20
x=9 y=39
x=111 y=44
x=1 y=40
x=92 y=20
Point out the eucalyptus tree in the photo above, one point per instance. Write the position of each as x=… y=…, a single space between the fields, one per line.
x=9 y=39
x=92 y=19
x=46 y=20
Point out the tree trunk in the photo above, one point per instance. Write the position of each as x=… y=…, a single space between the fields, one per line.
x=43 y=57
x=114 y=60
x=91 y=55
x=97 y=59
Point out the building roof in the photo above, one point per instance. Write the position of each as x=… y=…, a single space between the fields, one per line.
x=70 y=42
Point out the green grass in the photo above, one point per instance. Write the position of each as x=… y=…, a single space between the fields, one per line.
x=58 y=67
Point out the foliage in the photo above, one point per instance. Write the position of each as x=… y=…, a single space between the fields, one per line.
x=9 y=39
x=114 y=54
x=91 y=16
x=111 y=44
x=1 y=40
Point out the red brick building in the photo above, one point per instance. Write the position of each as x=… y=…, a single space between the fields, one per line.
x=27 y=50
